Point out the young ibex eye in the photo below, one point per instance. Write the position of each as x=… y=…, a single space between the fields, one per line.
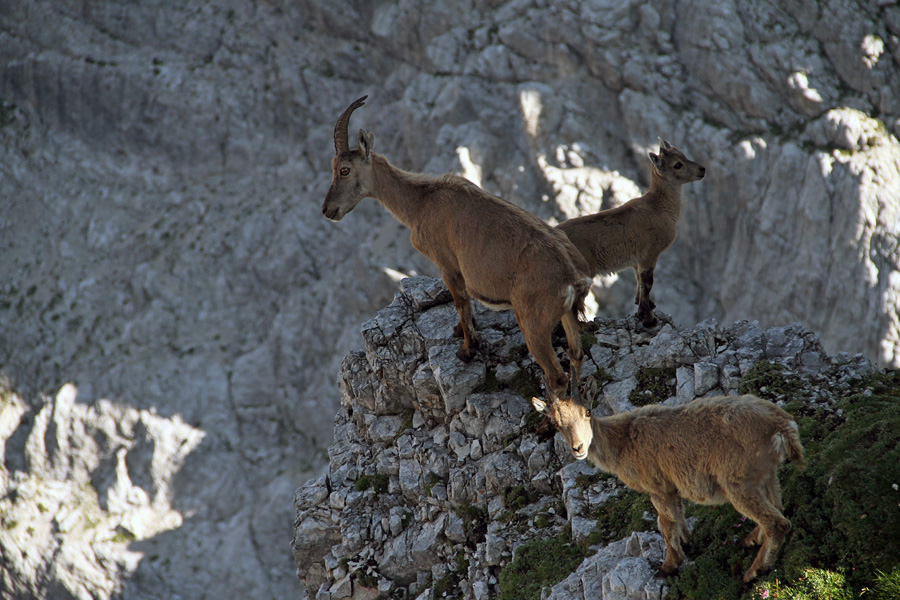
x=678 y=165
x=345 y=171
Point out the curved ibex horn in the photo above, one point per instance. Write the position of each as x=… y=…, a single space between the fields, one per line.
x=576 y=385
x=551 y=395
x=341 y=138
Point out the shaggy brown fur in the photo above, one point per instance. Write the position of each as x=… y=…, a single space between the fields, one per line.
x=637 y=232
x=710 y=451
x=485 y=247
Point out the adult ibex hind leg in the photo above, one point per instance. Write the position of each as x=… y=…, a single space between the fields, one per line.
x=466 y=326
x=537 y=330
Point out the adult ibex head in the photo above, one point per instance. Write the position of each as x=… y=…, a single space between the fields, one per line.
x=486 y=248
x=351 y=173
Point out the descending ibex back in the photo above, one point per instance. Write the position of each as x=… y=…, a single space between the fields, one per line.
x=485 y=247
x=710 y=451
x=637 y=232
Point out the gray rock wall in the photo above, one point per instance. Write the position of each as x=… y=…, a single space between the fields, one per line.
x=161 y=248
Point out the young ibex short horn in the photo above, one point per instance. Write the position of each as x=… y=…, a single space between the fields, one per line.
x=637 y=232
x=485 y=247
x=710 y=451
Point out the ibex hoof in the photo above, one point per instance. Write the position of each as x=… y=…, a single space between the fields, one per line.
x=648 y=321
x=662 y=574
x=466 y=354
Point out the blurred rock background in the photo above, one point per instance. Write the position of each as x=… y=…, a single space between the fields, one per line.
x=174 y=309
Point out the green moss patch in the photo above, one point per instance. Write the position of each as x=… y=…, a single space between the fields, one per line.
x=377 y=482
x=770 y=380
x=654 y=385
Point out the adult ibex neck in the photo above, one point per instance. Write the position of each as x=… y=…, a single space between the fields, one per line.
x=395 y=190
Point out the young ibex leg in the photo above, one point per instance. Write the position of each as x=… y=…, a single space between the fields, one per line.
x=466 y=325
x=674 y=530
x=773 y=528
x=773 y=493
x=645 y=304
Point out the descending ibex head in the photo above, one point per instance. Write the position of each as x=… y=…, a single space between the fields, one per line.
x=351 y=179
x=570 y=417
x=673 y=166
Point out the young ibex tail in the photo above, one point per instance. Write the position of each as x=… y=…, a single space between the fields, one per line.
x=710 y=451
x=637 y=232
x=485 y=247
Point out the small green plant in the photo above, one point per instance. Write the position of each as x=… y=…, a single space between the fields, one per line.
x=538 y=564
x=769 y=380
x=654 y=385
x=620 y=516
x=490 y=384
x=407 y=420
x=448 y=584
x=377 y=482
x=518 y=497
x=474 y=520
x=525 y=385
x=587 y=340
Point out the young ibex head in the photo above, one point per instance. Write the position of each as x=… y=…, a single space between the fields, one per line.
x=570 y=417
x=673 y=166
x=572 y=420
x=351 y=173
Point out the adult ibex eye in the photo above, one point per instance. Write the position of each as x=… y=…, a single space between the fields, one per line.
x=345 y=171
x=678 y=165
x=587 y=413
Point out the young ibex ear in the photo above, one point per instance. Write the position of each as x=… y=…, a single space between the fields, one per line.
x=539 y=405
x=365 y=141
x=663 y=144
x=656 y=160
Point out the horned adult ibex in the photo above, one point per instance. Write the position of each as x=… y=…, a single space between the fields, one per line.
x=637 y=232
x=710 y=451
x=486 y=248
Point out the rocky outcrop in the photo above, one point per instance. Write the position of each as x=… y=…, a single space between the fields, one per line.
x=162 y=167
x=439 y=471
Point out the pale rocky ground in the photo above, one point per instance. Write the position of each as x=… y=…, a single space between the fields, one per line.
x=174 y=309
x=440 y=441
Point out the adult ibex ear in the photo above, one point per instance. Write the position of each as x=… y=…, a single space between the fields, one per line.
x=365 y=141
x=656 y=160
x=539 y=405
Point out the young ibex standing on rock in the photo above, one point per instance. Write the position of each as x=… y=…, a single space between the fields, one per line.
x=710 y=451
x=485 y=247
x=637 y=232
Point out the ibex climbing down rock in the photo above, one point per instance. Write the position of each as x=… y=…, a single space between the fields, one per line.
x=485 y=247
x=637 y=232
x=710 y=451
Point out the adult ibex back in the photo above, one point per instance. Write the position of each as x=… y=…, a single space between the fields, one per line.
x=637 y=232
x=710 y=451
x=485 y=247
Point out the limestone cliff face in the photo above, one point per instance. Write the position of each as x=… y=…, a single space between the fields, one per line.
x=439 y=470
x=162 y=167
